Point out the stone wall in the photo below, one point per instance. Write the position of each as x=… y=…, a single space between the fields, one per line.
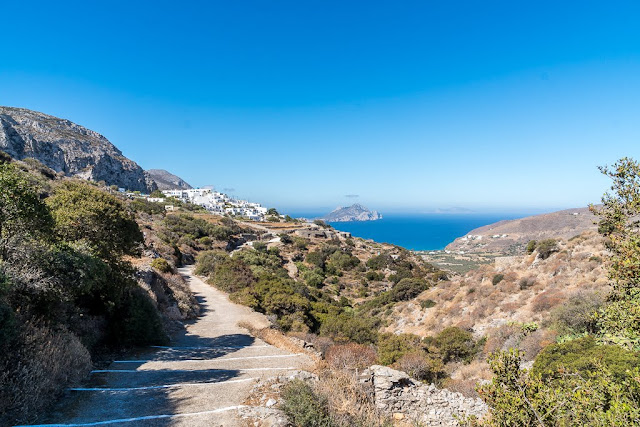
x=401 y=397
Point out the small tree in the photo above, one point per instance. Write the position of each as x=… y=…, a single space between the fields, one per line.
x=619 y=320
x=22 y=213
x=85 y=213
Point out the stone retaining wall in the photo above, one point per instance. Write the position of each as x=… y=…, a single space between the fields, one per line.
x=398 y=395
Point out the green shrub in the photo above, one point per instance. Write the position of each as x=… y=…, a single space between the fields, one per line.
x=232 y=275
x=520 y=398
x=455 y=344
x=313 y=278
x=348 y=327
x=392 y=347
x=161 y=265
x=260 y=246
x=23 y=215
x=531 y=246
x=4 y=157
x=583 y=355
x=301 y=243
x=136 y=321
x=575 y=316
x=374 y=276
x=546 y=248
x=379 y=262
x=407 y=289
x=316 y=258
x=285 y=238
x=343 y=261
x=151 y=208
x=428 y=303
x=207 y=261
x=84 y=213
x=497 y=279
x=303 y=407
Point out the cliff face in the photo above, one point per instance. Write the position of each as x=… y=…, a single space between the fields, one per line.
x=166 y=180
x=70 y=148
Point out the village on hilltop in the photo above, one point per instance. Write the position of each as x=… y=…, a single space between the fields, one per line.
x=213 y=201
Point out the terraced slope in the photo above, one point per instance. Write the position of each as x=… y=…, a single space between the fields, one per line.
x=201 y=380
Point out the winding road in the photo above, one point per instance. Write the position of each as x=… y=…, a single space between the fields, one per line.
x=202 y=379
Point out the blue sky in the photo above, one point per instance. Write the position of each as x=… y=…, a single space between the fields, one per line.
x=411 y=106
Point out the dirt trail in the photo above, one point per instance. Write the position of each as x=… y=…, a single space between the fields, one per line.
x=201 y=379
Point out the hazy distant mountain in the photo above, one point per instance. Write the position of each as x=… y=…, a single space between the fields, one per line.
x=453 y=210
x=354 y=212
x=511 y=236
x=67 y=147
x=167 y=181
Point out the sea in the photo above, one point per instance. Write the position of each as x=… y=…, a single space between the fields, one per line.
x=419 y=232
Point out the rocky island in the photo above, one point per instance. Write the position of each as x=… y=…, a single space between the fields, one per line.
x=355 y=212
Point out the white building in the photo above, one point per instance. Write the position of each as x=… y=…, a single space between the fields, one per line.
x=219 y=203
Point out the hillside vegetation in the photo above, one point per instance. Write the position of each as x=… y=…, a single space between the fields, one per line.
x=68 y=289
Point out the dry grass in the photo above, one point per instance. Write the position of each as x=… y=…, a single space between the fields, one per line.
x=349 y=401
x=277 y=339
x=42 y=364
x=529 y=291
x=350 y=356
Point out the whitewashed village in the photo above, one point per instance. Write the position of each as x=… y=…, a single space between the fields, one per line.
x=213 y=201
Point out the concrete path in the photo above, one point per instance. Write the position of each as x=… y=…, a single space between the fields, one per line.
x=200 y=380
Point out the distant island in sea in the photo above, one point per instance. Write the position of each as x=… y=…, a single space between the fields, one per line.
x=355 y=212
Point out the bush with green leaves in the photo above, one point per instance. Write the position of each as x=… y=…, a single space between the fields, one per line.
x=497 y=279
x=531 y=246
x=207 y=261
x=340 y=260
x=84 y=213
x=584 y=355
x=546 y=247
x=161 y=265
x=313 y=278
x=346 y=327
x=392 y=347
x=455 y=344
x=521 y=398
x=232 y=275
x=407 y=289
x=428 y=303
x=150 y=208
x=304 y=407
x=617 y=322
x=175 y=227
x=138 y=321
x=23 y=215
x=575 y=315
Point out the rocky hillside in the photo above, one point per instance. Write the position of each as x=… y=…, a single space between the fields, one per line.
x=68 y=148
x=509 y=237
x=354 y=212
x=166 y=180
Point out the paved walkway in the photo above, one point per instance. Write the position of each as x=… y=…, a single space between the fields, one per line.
x=200 y=380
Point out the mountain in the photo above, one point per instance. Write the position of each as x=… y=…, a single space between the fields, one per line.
x=166 y=180
x=354 y=212
x=511 y=236
x=69 y=148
